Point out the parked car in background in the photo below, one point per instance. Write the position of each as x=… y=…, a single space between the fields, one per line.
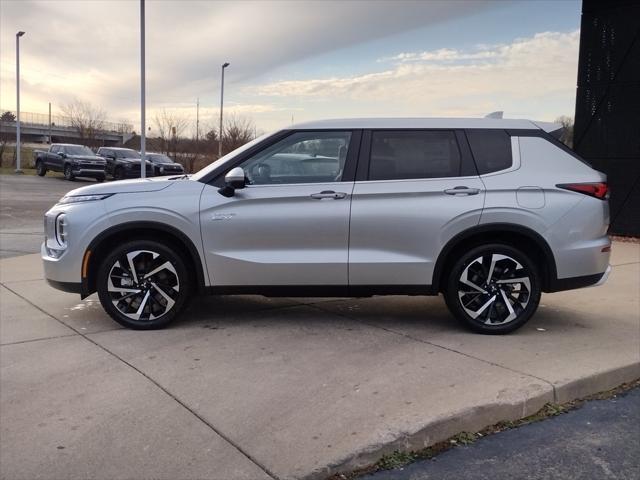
x=123 y=163
x=489 y=212
x=163 y=164
x=70 y=159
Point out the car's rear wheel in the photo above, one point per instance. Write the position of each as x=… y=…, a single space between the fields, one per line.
x=68 y=172
x=41 y=170
x=143 y=284
x=493 y=289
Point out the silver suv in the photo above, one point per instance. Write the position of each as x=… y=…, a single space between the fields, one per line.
x=489 y=212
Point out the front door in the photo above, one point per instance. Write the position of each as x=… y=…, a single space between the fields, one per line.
x=290 y=224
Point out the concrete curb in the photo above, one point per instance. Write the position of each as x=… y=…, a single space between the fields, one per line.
x=481 y=416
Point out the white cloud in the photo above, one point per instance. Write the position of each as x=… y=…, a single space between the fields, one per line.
x=527 y=77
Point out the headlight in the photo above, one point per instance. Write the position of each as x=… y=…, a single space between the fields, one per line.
x=61 y=230
x=83 y=198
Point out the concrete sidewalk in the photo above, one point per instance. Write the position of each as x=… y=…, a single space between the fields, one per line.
x=249 y=387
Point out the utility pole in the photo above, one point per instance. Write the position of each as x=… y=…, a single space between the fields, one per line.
x=18 y=35
x=143 y=126
x=197 y=120
x=49 y=123
x=224 y=65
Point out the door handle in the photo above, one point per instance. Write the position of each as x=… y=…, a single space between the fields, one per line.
x=328 y=194
x=461 y=190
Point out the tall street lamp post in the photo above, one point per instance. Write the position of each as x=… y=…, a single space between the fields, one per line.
x=224 y=65
x=18 y=35
x=143 y=128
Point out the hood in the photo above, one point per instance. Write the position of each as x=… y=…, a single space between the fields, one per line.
x=136 y=185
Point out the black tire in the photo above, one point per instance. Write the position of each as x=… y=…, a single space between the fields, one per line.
x=473 y=304
x=68 y=173
x=41 y=170
x=116 y=266
x=100 y=179
x=118 y=173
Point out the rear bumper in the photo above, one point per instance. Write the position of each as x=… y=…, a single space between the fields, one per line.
x=571 y=283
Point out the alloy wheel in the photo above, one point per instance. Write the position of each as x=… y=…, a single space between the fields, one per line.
x=143 y=285
x=494 y=289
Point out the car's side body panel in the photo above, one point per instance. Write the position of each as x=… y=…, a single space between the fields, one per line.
x=398 y=227
x=276 y=235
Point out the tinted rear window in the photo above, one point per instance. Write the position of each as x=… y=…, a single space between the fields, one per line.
x=491 y=149
x=414 y=154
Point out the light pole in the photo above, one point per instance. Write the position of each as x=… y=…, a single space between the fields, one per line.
x=224 y=65
x=143 y=162
x=18 y=35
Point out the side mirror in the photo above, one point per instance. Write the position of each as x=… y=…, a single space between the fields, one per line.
x=63 y=155
x=234 y=180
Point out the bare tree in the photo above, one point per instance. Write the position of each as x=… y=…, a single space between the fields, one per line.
x=567 y=130
x=85 y=118
x=236 y=132
x=5 y=118
x=170 y=127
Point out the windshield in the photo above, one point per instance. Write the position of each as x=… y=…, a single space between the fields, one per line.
x=126 y=154
x=158 y=158
x=78 y=150
x=197 y=176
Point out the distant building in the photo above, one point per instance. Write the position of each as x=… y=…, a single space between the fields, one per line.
x=607 y=121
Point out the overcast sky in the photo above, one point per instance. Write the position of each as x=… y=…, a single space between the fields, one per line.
x=303 y=60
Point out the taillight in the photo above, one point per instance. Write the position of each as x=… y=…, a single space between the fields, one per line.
x=599 y=190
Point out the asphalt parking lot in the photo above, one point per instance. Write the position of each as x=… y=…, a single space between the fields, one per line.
x=23 y=201
x=247 y=387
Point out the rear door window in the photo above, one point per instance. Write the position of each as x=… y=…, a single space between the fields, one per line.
x=414 y=154
x=491 y=149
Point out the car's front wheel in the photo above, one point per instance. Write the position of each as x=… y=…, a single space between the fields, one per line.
x=493 y=289
x=118 y=174
x=41 y=170
x=68 y=172
x=143 y=284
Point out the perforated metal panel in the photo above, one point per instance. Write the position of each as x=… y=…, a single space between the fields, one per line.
x=607 y=120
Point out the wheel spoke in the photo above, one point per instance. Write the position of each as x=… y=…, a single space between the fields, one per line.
x=143 y=304
x=512 y=313
x=166 y=265
x=477 y=313
x=169 y=300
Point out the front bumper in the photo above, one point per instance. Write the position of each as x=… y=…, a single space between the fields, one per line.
x=135 y=173
x=69 y=287
x=88 y=172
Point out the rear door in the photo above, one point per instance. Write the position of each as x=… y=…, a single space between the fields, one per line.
x=53 y=158
x=290 y=224
x=414 y=190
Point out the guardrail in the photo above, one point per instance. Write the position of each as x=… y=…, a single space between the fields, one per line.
x=42 y=120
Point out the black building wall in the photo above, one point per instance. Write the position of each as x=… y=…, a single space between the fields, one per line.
x=607 y=120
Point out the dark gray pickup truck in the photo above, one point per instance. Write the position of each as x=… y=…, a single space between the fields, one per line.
x=72 y=160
